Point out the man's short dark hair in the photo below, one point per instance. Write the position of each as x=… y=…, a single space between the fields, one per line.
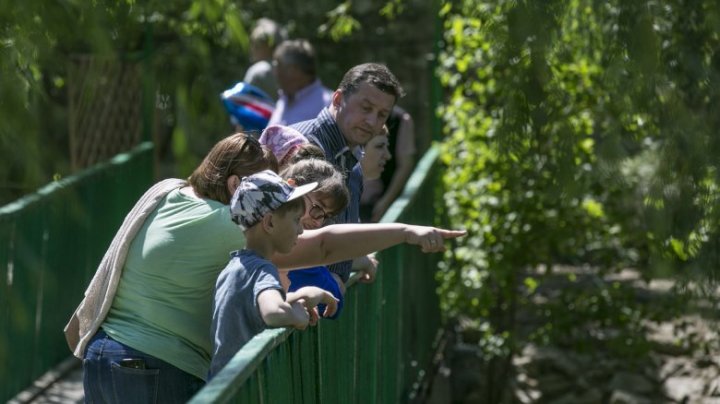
x=375 y=74
x=299 y=53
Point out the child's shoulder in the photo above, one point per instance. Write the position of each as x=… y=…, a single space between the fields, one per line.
x=251 y=261
x=245 y=269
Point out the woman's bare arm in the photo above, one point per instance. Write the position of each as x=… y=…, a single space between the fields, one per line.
x=343 y=242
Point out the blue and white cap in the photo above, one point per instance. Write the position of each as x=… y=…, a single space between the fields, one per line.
x=261 y=193
x=248 y=106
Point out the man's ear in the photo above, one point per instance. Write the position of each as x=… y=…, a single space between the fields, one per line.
x=337 y=99
x=267 y=222
x=233 y=182
x=292 y=182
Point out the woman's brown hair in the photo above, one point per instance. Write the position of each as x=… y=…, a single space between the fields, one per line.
x=239 y=154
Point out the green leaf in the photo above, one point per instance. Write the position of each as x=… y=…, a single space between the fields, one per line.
x=593 y=208
x=531 y=284
x=678 y=248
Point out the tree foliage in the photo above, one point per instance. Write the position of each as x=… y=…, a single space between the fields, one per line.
x=189 y=50
x=40 y=38
x=578 y=132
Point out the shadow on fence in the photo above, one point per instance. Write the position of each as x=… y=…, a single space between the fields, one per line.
x=50 y=244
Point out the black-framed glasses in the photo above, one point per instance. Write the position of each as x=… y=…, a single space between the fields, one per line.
x=316 y=211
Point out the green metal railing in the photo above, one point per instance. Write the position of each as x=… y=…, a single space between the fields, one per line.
x=50 y=244
x=378 y=351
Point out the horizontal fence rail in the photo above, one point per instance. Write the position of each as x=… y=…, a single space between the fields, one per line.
x=379 y=350
x=50 y=245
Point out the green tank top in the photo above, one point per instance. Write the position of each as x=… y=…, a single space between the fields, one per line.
x=163 y=305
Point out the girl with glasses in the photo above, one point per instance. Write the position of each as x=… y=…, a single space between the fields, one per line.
x=328 y=199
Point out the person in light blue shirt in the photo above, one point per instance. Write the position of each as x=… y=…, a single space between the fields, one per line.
x=302 y=94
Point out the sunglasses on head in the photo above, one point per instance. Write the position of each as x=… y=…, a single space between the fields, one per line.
x=249 y=154
x=250 y=139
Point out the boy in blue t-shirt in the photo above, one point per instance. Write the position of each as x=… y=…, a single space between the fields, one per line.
x=248 y=294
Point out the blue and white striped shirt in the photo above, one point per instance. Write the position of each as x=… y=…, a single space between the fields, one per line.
x=324 y=132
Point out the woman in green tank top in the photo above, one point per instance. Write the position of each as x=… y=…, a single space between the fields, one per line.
x=153 y=342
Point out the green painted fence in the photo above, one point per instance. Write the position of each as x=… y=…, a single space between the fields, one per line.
x=380 y=349
x=50 y=244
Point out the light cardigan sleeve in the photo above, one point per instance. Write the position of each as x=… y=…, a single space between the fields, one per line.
x=93 y=309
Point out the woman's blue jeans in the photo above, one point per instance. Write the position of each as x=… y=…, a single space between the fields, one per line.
x=115 y=373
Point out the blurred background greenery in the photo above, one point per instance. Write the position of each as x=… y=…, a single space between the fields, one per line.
x=580 y=133
x=73 y=71
x=577 y=133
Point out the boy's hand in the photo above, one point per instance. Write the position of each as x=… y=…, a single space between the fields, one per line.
x=300 y=316
x=314 y=317
x=430 y=239
x=311 y=296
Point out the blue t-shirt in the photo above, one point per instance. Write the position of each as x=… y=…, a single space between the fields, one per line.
x=317 y=276
x=236 y=314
